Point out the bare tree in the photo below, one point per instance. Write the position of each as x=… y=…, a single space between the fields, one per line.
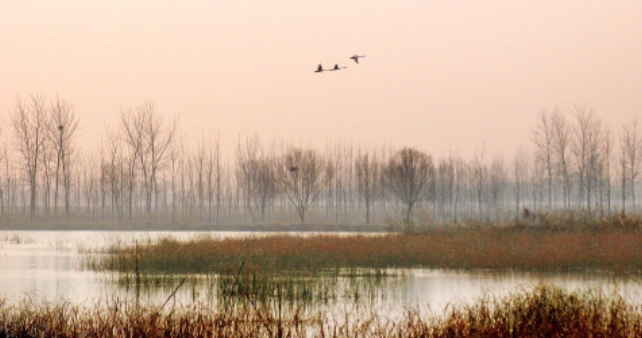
x=480 y=175
x=444 y=181
x=255 y=176
x=247 y=171
x=407 y=176
x=608 y=154
x=497 y=184
x=132 y=124
x=460 y=178
x=47 y=174
x=114 y=168
x=368 y=170
x=61 y=130
x=159 y=138
x=216 y=188
x=585 y=144
x=543 y=137
x=300 y=176
x=338 y=182
x=149 y=138
x=213 y=177
x=198 y=164
x=520 y=179
x=29 y=126
x=631 y=148
x=561 y=147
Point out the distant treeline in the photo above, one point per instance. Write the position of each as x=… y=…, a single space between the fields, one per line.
x=144 y=174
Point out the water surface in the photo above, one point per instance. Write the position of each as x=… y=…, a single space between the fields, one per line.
x=49 y=264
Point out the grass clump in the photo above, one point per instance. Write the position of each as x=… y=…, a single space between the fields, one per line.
x=544 y=312
x=541 y=312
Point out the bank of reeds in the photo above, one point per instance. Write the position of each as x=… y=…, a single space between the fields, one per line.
x=613 y=244
x=541 y=312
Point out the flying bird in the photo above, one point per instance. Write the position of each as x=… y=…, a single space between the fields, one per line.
x=319 y=69
x=336 y=67
x=356 y=57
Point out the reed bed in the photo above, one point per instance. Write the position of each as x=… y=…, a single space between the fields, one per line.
x=293 y=291
x=540 y=312
x=612 y=244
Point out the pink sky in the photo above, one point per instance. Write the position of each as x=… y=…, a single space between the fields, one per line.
x=438 y=75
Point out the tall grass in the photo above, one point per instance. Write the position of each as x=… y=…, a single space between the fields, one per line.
x=293 y=291
x=613 y=245
x=540 y=312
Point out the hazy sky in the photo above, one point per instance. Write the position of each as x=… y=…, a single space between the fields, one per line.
x=438 y=75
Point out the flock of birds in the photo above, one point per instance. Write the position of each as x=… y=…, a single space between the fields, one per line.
x=336 y=66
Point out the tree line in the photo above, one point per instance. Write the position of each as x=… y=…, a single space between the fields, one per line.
x=146 y=172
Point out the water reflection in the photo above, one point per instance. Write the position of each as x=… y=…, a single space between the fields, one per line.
x=49 y=265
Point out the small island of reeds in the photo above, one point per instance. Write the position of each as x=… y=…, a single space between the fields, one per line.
x=613 y=244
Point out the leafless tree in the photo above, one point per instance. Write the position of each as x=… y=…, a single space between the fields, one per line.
x=460 y=179
x=543 y=137
x=608 y=154
x=61 y=130
x=214 y=178
x=114 y=168
x=520 y=179
x=199 y=164
x=497 y=185
x=561 y=148
x=149 y=137
x=247 y=168
x=408 y=176
x=300 y=174
x=444 y=183
x=47 y=173
x=479 y=178
x=338 y=178
x=333 y=185
x=255 y=176
x=159 y=139
x=368 y=170
x=132 y=131
x=29 y=125
x=631 y=148
x=585 y=145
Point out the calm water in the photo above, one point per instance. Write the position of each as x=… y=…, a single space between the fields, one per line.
x=50 y=265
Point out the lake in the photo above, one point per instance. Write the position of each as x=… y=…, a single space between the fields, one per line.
x=50 y=265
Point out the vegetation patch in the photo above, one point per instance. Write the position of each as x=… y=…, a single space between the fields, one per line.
x=611 y=245
x=541 y=312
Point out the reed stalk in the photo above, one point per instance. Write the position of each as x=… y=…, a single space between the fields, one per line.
x=543 y=311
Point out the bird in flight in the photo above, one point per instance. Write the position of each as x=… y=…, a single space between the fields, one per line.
x=356 y=57
x=336 y=67
x=319 y=69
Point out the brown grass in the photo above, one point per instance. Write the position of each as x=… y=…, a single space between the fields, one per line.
x=541 y=312
x=613 y=245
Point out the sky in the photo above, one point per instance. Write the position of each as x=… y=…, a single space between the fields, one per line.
x=442 y=76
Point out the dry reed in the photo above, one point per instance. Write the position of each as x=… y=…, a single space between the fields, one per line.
x=540 y=312
x=611 y=244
